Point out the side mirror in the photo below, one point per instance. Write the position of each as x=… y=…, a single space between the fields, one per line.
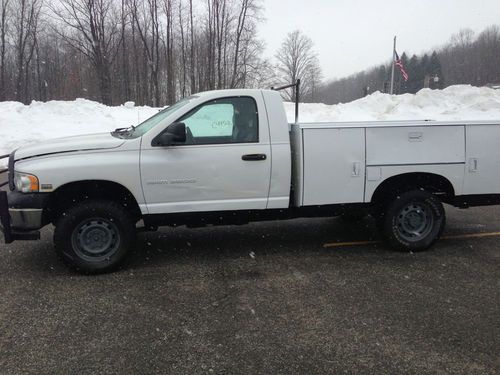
x=174 y=134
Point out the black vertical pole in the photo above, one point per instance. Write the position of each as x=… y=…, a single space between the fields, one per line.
x=296 y=86
x=297 y=97
x=5 y=218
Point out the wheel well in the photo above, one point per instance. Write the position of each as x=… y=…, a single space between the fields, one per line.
x=431 y=182
x=67 y=195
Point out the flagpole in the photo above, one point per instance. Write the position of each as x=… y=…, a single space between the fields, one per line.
x=392 y=71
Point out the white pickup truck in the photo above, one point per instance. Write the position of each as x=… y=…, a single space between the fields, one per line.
x=231 y=157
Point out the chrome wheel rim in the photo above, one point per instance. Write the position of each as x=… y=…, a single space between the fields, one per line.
x=95 y=239
x=415 y=221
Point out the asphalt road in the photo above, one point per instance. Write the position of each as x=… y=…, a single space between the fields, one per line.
x=265 y=298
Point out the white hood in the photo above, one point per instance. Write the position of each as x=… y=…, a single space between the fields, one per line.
x=98 y=141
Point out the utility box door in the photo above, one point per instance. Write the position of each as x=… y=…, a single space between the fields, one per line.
x=334 y=166
x=415 y=145
x=482 y=168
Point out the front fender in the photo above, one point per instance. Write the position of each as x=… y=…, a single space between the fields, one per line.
x=118 y=166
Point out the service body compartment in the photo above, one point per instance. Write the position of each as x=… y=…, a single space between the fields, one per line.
x=333 y=165
x=415 y=145
x=482 y=171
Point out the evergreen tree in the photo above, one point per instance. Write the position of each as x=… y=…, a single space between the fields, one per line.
x=382 y=77
x=423 y=72
x=435 y=70
x=424 y=64
x=414 y=73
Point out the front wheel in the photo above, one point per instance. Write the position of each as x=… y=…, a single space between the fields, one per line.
x=413 y=221
x=94 y=236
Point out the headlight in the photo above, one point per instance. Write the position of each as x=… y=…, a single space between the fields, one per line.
x=26 y=183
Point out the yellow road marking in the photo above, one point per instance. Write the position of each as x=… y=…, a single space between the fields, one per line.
x=354 y=243
x=472 y=235
x=451 y=237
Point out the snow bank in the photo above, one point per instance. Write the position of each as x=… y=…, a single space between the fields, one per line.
x=461 y=102
x=21 y=124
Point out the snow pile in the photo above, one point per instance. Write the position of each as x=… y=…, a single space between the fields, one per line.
x=21 y=124
x=461 y=102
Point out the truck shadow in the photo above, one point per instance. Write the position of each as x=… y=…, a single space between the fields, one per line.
x=298 y=236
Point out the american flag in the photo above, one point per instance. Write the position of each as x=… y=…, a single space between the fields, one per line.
x=399 y=64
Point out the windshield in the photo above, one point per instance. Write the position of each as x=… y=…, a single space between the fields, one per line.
x=151 y=122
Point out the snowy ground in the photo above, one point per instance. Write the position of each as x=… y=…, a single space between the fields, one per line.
x=21 y=124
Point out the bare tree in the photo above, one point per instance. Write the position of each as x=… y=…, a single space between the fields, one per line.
x=210 y=37
x=488 y=53
x=461 y=44
x=95 y=26
x=3 y=33
x=192 y=56
x=151 y=51
x=135 y=58
x=248 y=14
x=220 y=24
x=147 y=22
x=297 y=60
x=125 y=57
x=169 y=50
x=26 y=14
x=240 y=27
x=183 y=65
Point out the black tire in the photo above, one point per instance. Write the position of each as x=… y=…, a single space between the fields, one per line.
x=94 y=236
x=413 y=221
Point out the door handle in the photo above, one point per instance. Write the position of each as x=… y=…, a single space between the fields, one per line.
x=473 y=165
x=356 y=168
x=252 y=157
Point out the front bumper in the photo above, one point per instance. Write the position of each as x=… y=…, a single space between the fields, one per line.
x=25 y=219
x=19 y=223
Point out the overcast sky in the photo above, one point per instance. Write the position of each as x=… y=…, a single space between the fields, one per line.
x=351 y=35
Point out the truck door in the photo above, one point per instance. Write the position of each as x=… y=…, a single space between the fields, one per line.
x=225 y=163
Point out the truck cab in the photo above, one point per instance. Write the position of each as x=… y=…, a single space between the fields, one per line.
x=231 y=158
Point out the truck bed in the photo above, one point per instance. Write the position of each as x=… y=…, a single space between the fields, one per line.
x=345 y=162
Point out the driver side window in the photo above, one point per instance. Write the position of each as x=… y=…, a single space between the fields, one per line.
x=228 y=120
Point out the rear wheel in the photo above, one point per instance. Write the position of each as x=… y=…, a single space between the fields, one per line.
x=413 y=221
x=94 y=236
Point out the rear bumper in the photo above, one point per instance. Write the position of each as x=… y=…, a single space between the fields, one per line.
x=19 y=223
